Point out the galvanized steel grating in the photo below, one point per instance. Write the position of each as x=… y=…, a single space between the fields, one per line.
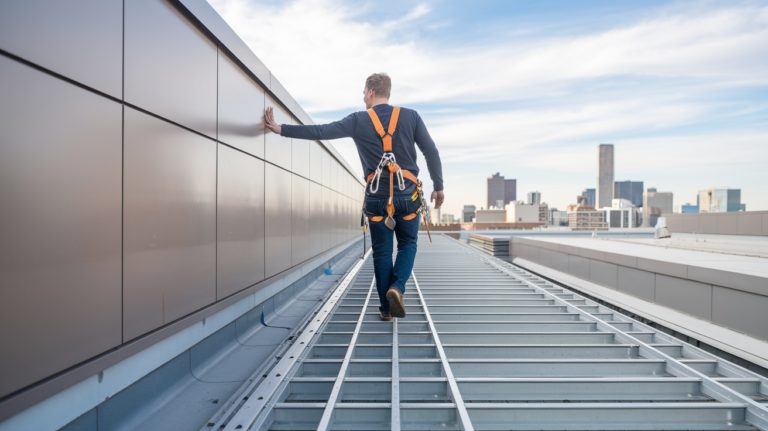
x=489 y=346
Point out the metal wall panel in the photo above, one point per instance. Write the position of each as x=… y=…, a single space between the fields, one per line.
x=749 y=224
x=560 y=261
x=300 y=156
x=169 y=222
x=708 y=224
x=687 y=296
x=578 y=266
x=241 y=109
x=80 y=39
x=277 y=148
x=60 y=149
x=316 y=214
x=638 y=283
x=240 y=221
x=278 y=220
x=316 y=161
x=327 y=217
x=604 y=274
x=740 y=311
x=765 y=225
x=300 y=220
x=170 y=67
x=326 y=159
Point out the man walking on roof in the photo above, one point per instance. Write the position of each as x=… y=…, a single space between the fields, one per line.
x=392 y=193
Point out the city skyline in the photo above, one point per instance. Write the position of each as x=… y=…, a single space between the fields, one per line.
x=679 y=87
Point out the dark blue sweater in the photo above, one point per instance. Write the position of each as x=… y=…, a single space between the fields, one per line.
x=358 y=126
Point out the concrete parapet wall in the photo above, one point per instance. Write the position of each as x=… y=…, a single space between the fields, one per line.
x=732 y=300
x=734 y=223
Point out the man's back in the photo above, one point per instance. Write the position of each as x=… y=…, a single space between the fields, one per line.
x=358 y=126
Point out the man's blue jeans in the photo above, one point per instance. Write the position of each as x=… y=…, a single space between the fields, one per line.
x=407 y=233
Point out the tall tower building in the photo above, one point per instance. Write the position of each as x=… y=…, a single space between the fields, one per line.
x=629 y=190
x=605 y=176
x=501 y=191
x=534 y=198
x=589 y=197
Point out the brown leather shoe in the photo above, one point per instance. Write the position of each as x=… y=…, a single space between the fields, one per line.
x=396 y=306
x=385 y=316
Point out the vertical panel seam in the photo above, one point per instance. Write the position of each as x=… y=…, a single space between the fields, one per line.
x=122 y=187
x=264 y=193
x=216 y=193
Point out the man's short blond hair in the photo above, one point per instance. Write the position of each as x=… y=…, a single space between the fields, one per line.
x=380 y=83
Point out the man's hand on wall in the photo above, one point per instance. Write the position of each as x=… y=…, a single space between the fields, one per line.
x=269 y=121
x=437 y=198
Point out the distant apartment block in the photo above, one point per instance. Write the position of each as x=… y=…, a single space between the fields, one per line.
x=448 y=219
x=520 y=212
x=491 y=216
x=629 y=190
x=720 y=200
x=585 y=218
x=468 y=213
x=501 y=191
x=605 y=175
x=557 y=217
x=543 y=212
x=655 y=204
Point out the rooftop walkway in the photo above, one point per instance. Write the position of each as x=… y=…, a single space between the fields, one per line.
x=489 y=346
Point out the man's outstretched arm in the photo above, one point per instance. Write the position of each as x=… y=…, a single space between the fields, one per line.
x=338 y=129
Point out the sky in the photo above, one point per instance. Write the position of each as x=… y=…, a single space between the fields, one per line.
x=530 y=88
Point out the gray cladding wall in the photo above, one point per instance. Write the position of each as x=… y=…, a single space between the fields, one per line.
x=60 y=222
x=736 y=301
x=137 y=184
x=733 y=223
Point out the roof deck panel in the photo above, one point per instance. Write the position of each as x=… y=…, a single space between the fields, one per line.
x=571 y=364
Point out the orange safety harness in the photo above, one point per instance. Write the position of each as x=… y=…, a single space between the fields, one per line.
x=389 y=163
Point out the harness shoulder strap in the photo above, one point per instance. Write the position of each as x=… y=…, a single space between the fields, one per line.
x=376 y=122
x=386 y=138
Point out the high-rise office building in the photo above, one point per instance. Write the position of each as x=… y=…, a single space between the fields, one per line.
x=534 y=198
x=543 y=212
x=501 y=191
x=468 y=213
x=655 y=204
x=720 y=200
x=604 y=176
x=589 y=197
x=629 y=190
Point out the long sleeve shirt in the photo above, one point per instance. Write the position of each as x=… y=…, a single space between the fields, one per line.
x=358 y=126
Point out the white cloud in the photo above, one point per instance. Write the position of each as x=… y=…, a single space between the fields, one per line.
x=653 y=76
x=328 y=38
